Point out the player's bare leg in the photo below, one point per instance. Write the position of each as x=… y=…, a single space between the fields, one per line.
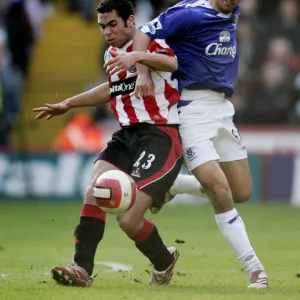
x=239 y=179
x=184 y=184
x=187 y=184
x=88 y=234
x=229 y=221
x=238 y=176
x=147 y=239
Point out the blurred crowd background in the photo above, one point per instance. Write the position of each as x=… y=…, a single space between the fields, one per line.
x=267 y=89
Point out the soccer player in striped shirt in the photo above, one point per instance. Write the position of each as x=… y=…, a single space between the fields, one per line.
x=147 y=147
x=203 y=36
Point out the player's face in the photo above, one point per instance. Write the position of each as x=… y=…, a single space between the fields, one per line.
x=227 y=6
x=116 y=32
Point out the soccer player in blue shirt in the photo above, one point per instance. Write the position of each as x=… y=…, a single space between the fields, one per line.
x=203 y=35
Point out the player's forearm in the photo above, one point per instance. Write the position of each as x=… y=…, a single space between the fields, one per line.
x=94 y=97
x=140 y=43
x=160 y=62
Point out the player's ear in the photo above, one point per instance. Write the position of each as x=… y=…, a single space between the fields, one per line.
x=131 y=21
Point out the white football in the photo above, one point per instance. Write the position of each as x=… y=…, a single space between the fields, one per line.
x=115 y=192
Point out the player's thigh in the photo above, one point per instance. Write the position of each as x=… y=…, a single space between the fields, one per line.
x=199 y=126
x=197 y=142
x=100 y=167
x=201 y=156
x=112 y=157
x=116 y=152
x=201 y=121
x=229 y=144
x=157 y=161
x=234 y=161
x=239 y=178
x=199 y=153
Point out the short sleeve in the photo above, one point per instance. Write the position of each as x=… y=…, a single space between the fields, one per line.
x=160 y=46
x=107 y=55
x=175 y=22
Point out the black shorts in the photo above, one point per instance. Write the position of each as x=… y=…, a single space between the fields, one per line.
x=150 y=154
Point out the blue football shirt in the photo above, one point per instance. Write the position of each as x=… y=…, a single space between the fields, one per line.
x=204 y=41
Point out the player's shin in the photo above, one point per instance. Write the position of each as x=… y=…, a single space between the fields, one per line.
x=149 y=242
x=88 y=233
x=233 y=229
x=187 y=184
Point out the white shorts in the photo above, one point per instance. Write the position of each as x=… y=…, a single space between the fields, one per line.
x=207 y=130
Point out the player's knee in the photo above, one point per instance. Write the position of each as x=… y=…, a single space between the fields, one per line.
x=216 y=186
x=128 y=224
x=88 y=197
x=219 y=194
x=221 y=199
x=242 y=195
x=131 y=222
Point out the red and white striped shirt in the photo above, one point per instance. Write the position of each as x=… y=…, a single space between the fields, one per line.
x=159 y=110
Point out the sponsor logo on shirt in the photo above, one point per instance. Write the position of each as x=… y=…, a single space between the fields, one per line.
x=122 y=87
x=217 y=49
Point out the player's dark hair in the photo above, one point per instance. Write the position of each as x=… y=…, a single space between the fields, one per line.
x=124 y=8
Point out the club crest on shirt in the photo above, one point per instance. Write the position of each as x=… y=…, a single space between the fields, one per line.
x=132 y=69
x=190 y=154
x=136 y=173
x=224 y=36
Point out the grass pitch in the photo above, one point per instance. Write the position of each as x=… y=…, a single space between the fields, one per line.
x=36 y=236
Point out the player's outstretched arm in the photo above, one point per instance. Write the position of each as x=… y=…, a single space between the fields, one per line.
x=94 y=97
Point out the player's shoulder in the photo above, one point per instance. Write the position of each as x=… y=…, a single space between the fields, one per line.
x=160 y=46
x=107 y=54
x=158 y=43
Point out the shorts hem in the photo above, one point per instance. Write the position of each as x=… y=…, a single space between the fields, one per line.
x=233 y=159
x=191 y=168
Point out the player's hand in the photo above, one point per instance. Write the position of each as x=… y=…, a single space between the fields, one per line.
x=51 y=110
x=144 y=86
x=120 y=62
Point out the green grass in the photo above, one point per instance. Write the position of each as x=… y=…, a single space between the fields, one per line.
x=34 y=237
